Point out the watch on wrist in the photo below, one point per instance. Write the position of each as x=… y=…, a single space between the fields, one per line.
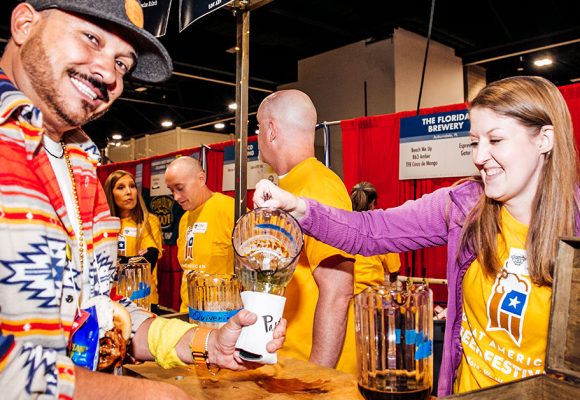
x=198 y=349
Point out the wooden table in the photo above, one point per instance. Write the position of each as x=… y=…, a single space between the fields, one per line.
x=289 y=379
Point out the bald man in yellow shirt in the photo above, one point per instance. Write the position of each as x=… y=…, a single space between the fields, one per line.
x=320 y=292
x=204 y=243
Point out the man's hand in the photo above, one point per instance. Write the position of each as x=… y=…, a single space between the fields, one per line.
x=222 y=342
x=268 y=194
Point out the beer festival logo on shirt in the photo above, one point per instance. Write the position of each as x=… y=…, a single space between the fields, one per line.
x=507 y=303
x=121 y=244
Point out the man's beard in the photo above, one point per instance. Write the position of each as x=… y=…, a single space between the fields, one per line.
x=35 y=62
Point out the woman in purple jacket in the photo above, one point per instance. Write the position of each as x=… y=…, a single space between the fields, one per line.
x=501 y=229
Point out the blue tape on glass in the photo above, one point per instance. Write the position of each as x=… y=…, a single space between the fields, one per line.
x=211 y=316
x=410 y=335
x=420 y=338
x=277 y=228
x=143 y=291
x=424 y=350
x=397 y=336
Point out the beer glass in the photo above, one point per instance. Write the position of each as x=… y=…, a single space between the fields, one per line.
x=134 y=281
x=267 y=243
x=394 y=341
x=213 y=298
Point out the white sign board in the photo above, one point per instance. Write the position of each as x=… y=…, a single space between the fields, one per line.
x=435 y=146
x=158 y=186
x=256 y=169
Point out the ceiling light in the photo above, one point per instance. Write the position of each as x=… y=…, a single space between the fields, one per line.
x=140 y=89
x=116 y=136
x=233 y=106
x=543 y=62
x=167 y=123
x=219 y=125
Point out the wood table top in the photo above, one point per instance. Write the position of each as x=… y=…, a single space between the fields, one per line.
x=289 y=379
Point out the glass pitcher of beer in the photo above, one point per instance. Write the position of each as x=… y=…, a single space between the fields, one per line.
x=394 y=341
x=134 y=281
x=267 y=244
x=213 y=298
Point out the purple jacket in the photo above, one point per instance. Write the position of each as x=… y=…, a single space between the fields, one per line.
x=433 y=220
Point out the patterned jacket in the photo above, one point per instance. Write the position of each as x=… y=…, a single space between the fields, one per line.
x=38 y=286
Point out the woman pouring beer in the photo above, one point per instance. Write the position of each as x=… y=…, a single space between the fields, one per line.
x=501 y=228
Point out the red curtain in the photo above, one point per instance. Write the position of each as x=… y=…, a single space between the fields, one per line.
x=370 y=152
x=571 y=94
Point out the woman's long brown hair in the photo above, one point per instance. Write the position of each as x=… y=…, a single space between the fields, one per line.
x=534 y=102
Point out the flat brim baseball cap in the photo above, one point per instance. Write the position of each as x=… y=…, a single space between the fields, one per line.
x=153 y=61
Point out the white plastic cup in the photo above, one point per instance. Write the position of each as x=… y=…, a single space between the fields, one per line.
x=254 y=338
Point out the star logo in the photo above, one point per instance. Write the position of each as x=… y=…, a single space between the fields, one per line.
x=514 y=302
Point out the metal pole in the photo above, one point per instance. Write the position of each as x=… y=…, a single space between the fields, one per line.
x=242 y=73
x=203 y=157
x=326 y=131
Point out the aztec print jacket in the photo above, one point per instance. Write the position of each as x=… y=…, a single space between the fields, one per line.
x=38 y=287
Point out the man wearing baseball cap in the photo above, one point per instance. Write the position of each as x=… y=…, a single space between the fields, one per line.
x=63 y=67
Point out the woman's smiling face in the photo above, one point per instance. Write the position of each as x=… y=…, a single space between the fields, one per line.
x=508 y=155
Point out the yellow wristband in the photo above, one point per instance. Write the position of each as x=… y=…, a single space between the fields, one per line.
x=163 y=336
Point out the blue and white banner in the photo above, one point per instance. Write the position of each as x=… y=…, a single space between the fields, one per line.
x=435 y=146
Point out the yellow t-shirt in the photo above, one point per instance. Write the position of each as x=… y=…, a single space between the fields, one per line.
x=312 y=179
x=205 y=240
x=374 y=270
x=149 y=236
x=505 y=321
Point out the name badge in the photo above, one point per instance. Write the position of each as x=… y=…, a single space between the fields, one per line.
x=200 y=227
x=517 y=262
x=130 y=232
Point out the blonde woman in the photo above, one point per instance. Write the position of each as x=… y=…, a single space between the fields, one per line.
x=140 y=232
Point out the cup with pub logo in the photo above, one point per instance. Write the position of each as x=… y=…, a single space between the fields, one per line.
x=213 y=298
x=253 y=340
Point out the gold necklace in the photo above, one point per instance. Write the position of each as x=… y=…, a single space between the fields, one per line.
x=81 y=234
